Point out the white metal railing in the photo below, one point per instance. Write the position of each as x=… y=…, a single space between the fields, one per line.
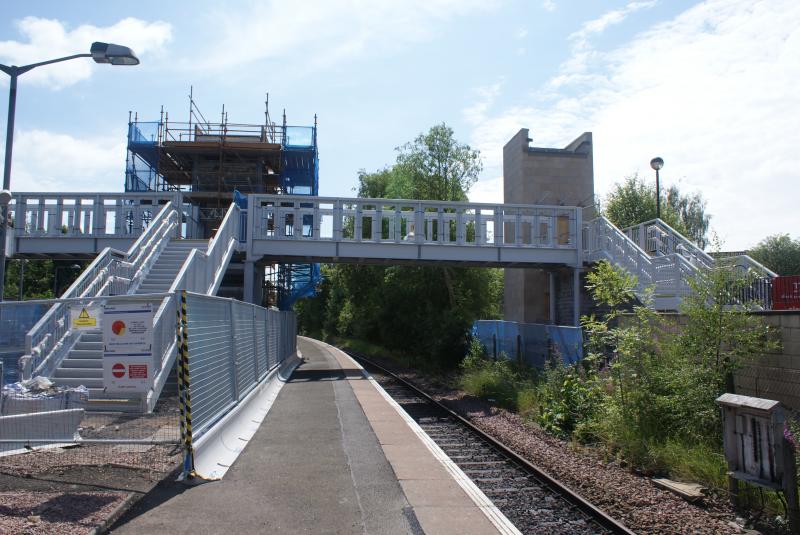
x=202 y=271
x=606 y=241
x=113 y=272
x=661 y=258
x=85 y=215
x=285 y=217
x=657 y=237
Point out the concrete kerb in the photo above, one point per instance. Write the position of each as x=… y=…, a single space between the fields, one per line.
x=216 y=451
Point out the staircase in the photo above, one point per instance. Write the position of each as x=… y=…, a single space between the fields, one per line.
x=83 y=364
x=660 y=257
x=166 y=268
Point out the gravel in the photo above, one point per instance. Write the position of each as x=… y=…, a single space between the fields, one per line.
x=55 y=513
x=630 y=498
x=73 y=489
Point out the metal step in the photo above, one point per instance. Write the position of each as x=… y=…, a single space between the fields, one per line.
x=91 y=336
x=64 y=372
x=85 y=354
x=89 y=346
x=81 y=363
x=87 y=382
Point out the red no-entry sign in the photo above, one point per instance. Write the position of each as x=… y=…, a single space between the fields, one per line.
x=118 y=370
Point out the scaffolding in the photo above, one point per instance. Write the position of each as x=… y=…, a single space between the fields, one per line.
x=209 y=161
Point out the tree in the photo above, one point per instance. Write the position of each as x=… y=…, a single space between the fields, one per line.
x=634 y=201
x=780 y=253
x=37 y=279
x=419 y=311
x=435 y=167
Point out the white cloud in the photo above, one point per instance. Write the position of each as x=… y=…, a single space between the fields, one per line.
x=48 y=161
x=549 y=5
x=712 y=91
x=489 y=190
x=325 y=32
x=46 y=39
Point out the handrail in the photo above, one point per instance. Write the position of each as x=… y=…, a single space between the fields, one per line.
x=200 y=271
x=680 y=244
x=404 y=202
x=47 y=342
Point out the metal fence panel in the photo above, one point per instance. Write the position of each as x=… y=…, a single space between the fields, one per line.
x=211 y=367
x=529 y=343
x=245 y=357
x=260 y=335
x=535 y=344
x=272 y=337
x=566 y=342
x=232 y=345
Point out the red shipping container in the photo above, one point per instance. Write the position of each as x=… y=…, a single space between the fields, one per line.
x=786 y=293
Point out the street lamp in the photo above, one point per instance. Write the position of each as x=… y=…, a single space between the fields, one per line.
x=657 y=163
x=100 y=53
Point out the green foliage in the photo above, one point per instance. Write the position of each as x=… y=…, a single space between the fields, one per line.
x=435 y=166
x=501 y=380
x=417 y=310
x=37 y=279
x=634 y=201
x=646 y=388
x=568 y=395
x=780 y=253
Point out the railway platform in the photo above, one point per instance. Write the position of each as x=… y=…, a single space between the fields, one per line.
x=334 y=455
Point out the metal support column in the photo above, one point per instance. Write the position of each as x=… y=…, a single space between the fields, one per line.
x=553 y=297
x=249 y=282
x=576 y=297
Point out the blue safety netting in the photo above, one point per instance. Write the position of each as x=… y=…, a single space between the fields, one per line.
x=299 y=176
x=16 y=319
x=143 y=154
x=530 y=343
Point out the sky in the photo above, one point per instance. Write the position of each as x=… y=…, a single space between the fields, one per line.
x=711 y=87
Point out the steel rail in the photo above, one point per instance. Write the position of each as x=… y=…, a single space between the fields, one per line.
x=569 y=494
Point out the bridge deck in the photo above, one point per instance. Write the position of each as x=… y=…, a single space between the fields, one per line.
x=332 y=456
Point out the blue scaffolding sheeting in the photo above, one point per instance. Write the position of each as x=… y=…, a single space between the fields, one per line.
x=298 y=172
x=299 y=176
x=530 y=343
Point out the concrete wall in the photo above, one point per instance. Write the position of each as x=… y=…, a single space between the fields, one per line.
x=533 y=175
x=775 y=375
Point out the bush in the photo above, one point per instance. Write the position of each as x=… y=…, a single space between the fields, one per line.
x=499 y=380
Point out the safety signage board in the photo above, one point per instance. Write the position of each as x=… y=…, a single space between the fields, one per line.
x=127 y=328
x=127 y=373
x=127 y=347
x=84 y=317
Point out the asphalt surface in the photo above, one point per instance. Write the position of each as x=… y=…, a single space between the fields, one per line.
x=314 y=466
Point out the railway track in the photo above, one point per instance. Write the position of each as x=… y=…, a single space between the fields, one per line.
x=531 y=499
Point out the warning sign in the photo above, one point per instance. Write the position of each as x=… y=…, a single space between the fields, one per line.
x=84 y=317
x=127 y=347
x=125 y=373
x=127 y=328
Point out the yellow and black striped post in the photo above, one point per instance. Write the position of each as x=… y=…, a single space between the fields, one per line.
x=179 y=365
x=185 y=392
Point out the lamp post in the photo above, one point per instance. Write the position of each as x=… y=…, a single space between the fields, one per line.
x=657 y=163
x=100 y=53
